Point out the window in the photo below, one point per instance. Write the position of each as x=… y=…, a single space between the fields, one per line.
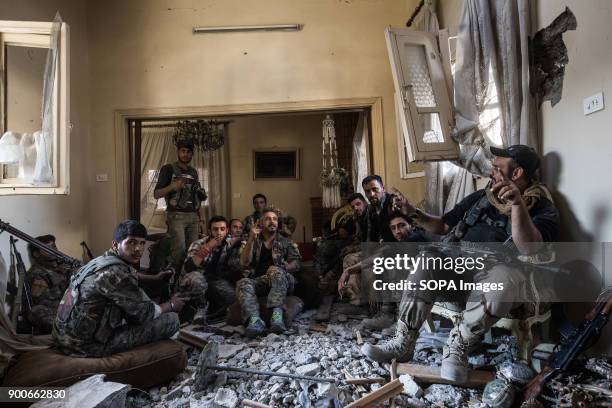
x=38 y=144
x=423 y=101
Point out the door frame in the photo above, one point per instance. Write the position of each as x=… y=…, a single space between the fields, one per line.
x=122 y=116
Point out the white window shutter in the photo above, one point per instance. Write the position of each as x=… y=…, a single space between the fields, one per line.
x=426 y=114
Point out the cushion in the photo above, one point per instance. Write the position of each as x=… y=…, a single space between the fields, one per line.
x=51 y=368
x=293 y=306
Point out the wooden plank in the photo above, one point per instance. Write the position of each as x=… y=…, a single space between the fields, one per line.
x=431 y=375
x=349 y=376
x=191 y=339
x=359 y=338
x=365 y=381
x=382 y=394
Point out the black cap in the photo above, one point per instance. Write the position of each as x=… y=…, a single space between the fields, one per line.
x=525 y=156
x=187 y=143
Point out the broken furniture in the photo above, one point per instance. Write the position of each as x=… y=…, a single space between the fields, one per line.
x=431 y=375
x=142 y=367
x=384 y=393
x=92 y=392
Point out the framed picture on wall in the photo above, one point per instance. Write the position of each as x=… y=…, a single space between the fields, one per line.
x=276 y=164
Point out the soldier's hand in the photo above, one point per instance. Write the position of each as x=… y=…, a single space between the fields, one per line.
x=178 y=184
x=401 y=203
x=255 y=230
x=342 y=283
x=214 y=242
x=505 y=189
x=178 y=302
x=161 y=275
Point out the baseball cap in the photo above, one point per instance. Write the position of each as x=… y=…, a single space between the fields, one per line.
x=525 y=156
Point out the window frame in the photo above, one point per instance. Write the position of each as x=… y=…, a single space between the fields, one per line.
x=407 y=110
x=38 y=34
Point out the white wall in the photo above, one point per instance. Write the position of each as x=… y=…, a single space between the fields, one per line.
x=274 y=132
x=61 y=215
x=144 y=55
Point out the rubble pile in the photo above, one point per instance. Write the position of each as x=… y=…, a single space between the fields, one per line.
x=323 y=350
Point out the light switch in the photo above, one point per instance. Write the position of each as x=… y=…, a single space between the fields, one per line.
x=593 y=103
x=236 y=195
x=102 y=177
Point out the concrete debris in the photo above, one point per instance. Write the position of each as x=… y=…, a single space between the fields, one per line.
x=226 y=398
x=411 y=388
x=92 y=392
x=328 y=351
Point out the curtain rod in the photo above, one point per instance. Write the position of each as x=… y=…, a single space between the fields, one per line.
x=173 y=124
x=415 y=13
x=247 y=28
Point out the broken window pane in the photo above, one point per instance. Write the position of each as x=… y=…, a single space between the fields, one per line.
x=416 y=72
x=432 y=129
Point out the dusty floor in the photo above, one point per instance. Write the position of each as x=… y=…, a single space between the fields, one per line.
x=323 y=350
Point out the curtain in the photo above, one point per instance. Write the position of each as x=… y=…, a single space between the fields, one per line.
x=492 y=101
x=360 y=152
x=156 y=149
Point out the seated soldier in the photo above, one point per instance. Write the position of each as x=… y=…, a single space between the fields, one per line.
x=513 y=208
x=270 y=262
x=104 y=311
x=236 y=226
x=210 y=269
x=48 y=279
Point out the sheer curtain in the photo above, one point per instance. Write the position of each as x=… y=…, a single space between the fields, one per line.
x=492 y=101
x=157 y=149
x=360 y=152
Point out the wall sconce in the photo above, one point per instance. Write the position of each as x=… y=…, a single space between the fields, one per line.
x=249 y=28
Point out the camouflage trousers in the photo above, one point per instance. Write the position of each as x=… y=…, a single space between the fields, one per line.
x=42 y=317
x=220 y=292
x=276 y=284
x=416 y=305
x=127 y=337
x=183 y=229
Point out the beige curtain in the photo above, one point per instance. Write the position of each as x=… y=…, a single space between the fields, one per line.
x=157 y=149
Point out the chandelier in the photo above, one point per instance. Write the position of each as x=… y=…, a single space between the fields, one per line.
x=204 y=134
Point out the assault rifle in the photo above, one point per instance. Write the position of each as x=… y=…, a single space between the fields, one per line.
x=573 y=345
x=23 y=297
x=62 y=257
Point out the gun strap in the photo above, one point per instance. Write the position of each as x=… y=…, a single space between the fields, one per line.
x=93 y=266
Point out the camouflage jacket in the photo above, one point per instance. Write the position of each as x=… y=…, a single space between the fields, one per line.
x=47 y=282
x=222 y=262
x=96 y=303
x=283 y=250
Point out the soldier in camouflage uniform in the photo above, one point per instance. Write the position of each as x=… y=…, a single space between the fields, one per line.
x=104 y=311
x=48 y=279
x=259 y=203
x=270 y=262
x=211 y=269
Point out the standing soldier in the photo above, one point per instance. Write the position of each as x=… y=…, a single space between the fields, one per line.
x=104 y=311
x=48 y=280
x=270 y=262
x=178 y=183
x=259 y=203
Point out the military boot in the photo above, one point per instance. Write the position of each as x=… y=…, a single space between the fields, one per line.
x=277 y=324
x=255 y=327
x=462 y=339
x=382 y=319
x=400 y=347
x=200 y=316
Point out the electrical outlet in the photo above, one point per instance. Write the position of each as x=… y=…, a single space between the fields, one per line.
x=593 y=103
x=237 y=195
x=101 y=177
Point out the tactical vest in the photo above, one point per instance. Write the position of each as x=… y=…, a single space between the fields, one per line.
x=477 y=213
x=72 y=293
x=187 y=199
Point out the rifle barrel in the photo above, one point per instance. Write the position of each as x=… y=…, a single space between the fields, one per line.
x=4 y=226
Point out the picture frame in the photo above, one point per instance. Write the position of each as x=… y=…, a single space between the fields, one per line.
x=281 y=164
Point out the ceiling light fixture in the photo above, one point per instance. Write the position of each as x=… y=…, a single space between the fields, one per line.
x=248 y=28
